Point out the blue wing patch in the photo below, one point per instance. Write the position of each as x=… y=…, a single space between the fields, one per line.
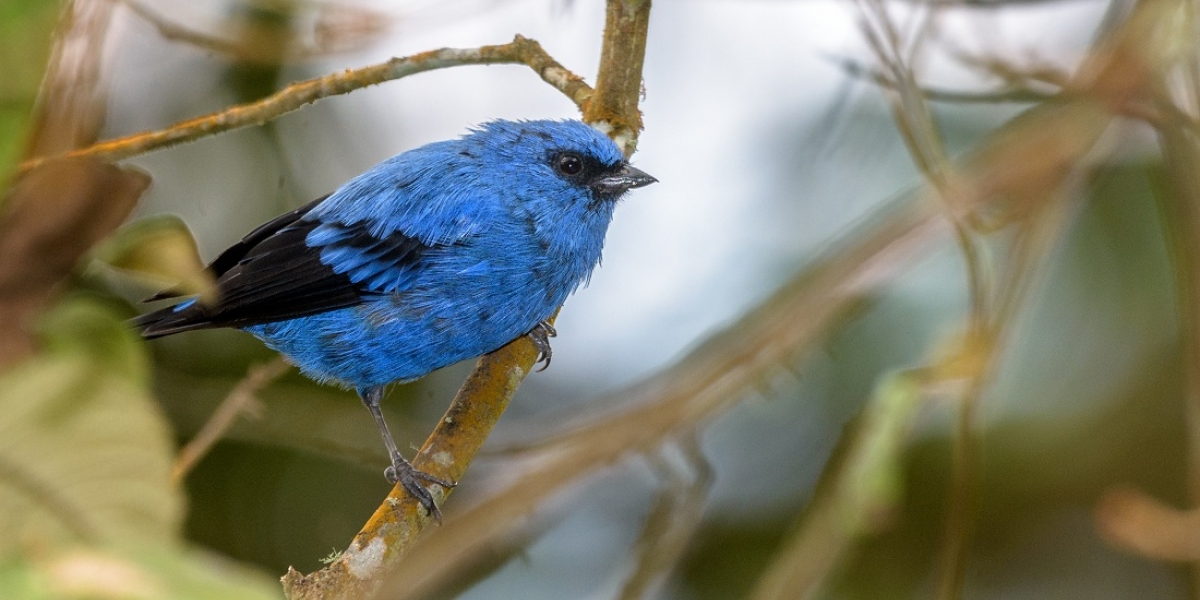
x=281 y=274
x=366 y=239
x=374 y=264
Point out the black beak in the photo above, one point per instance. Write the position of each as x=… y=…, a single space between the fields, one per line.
x=615 y=183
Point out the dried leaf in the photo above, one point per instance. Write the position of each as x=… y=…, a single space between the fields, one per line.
x=1132 y=520
x=161 y=248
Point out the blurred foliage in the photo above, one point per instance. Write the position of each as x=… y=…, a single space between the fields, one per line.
x=160 y=248
x=1051 y=452
x=85 y=449
x=25 y=35
x=1080 y=369
x=173 y=573
x=86 y=507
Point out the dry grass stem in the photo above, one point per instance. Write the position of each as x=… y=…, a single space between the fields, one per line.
x=242 y=399
x=672 y=520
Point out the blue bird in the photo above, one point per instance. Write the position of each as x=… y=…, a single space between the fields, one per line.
x=443 y=253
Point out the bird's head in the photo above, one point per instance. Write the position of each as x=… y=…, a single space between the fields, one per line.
x=565 y=162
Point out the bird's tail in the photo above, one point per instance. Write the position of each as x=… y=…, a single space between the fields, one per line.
x=186 y=316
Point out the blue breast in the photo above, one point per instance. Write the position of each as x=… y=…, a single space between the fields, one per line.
x=461 y=303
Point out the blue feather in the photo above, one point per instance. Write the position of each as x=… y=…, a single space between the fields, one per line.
x=439 y=254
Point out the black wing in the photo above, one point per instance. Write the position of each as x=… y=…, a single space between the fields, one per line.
x=273 y=275
x=235 y=253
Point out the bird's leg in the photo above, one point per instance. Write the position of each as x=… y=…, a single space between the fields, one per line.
x=540 y=335
x=401 y=471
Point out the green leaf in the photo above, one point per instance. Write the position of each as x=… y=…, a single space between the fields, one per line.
x=162 y=248
x=179 y=574
x=85 y=454
x=26 y=31
x=874 y=480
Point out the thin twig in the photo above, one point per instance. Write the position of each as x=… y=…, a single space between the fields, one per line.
x=672 y=521
x=261 y=49
x=178 y=33
x=858 y=496
x=521 y=50
x=241 y=399
x=919 y=131
x=1006 y=94
x=1117 y=74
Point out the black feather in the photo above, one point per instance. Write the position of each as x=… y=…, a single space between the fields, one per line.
x=274 y=275
x=235 y=253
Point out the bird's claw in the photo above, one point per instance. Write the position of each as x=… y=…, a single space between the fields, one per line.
x=407 y=476
x=540 y=335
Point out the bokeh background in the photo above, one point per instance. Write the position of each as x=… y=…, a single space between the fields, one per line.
x=785 y=135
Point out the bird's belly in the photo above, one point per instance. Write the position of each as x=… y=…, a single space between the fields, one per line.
x=398 y=337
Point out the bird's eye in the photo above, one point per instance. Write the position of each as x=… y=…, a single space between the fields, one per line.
x=569 y=164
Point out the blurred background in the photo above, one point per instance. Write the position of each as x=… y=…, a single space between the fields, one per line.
x=907 y=316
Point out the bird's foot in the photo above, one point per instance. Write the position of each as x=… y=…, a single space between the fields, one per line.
x=402 y=472
x=540 y=335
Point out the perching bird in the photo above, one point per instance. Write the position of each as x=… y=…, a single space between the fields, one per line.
x=440 y=254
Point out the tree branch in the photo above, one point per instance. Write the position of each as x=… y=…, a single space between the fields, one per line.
x=521 y=50
x=394 y=527
x=619 y=81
